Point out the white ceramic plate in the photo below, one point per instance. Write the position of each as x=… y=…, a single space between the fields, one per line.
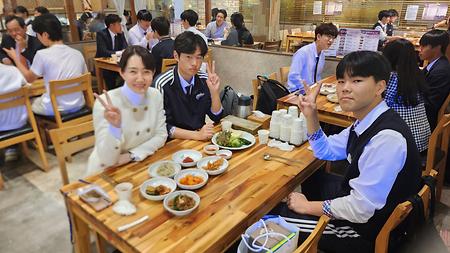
x=194 y=172
x=167 y=182
x=224 y=153
x=333 y=98
x=153 y=169
x=210 y=149
x=185 y=212
x=182 y=154
x=245 y=135
x=202 y=163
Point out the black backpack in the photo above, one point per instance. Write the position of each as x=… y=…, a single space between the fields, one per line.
x=229 y=100
x=270 y=91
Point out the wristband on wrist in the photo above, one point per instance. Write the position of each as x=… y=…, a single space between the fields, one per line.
x=326 y=208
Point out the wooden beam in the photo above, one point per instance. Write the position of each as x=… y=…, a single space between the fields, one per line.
x=207 y=11
x=70 y=11
x=133 y=12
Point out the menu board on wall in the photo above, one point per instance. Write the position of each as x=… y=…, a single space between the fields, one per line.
x=317 y=8
x=350 y=40
x=411 y=12
x=434 y=11
x=333 y=8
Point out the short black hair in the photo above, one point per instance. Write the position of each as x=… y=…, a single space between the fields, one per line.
x=435 y=38
x=50 y=24
x=393 y=13
x=187 y=42
x=364 y=64
x=21 y=9
x=111 y=19
x=223 y=11
x=144 y=15
x=237 y=19
x=146 y=56
x=383 y=14
x=191 y=17
x=126 y=13
x=326 y=29
x=18 y=19
x=214 y=13
x=85 y=16
x=42 y=10
x=161 y=25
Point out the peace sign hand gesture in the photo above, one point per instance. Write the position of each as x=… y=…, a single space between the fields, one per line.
x=307 y=103
x=112 y=113
x=213 y=80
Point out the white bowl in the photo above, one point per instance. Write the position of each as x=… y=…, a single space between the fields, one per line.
x=202 y=163
x=185 y=212
x=153 y=168
x=224 y=153
x=194 y=172
x=167 y=182
x=182 y=154
x=210 y=149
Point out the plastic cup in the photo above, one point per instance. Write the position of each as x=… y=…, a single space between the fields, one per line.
x=123 y=191
x=263 y=136
x=226 y=125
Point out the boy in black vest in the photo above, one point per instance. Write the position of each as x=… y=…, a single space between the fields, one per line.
x=189 y=94
x=383 y=168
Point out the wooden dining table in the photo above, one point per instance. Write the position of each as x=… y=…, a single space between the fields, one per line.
x=230 y=202
x=104 y=63
x=326 y=109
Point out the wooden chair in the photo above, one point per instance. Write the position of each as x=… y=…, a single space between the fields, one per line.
x=64 y=147
x=283 y=34
x=437 y=152
x=272 y=45
x=284 y=72
x=168 y=64
x=208 y=57
x=89 y=52
x=256 y=86
x=64 y=87
x=22 y=135
x=311 y=243
x=445 y=108
x=399 y=214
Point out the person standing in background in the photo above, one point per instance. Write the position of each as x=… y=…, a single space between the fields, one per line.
x=381 y=25
x=390 y=25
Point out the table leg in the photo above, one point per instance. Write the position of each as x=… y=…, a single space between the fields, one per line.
x=100 y=243
x=288 y=45
x=80 y=232
x=100 y=80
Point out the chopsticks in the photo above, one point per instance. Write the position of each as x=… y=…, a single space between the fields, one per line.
x=108 y=179
x=132 y=224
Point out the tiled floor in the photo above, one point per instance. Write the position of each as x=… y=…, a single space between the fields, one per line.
x=33 y=216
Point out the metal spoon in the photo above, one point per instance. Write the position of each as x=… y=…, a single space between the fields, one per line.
x=269 y=157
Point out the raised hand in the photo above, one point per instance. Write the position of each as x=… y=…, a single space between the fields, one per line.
x=213 y=81
x=21 y=42
x=307 y=103
x=206 y=132
x=11 y=52
x=112 y=113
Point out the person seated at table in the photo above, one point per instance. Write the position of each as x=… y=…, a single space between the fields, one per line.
x=308 y=62
x=189 y=19
x=109 y=41
x=22 y=12
x=12 y=118
x=216 y=29
x=129 y=121
x=98 y=23
x=24 y=45
x=381 y=26
x=384 y=166
x=406 y=88
x=141 y=34
x=239 y=34
x=164 y=48
x=189 y=94
x=437 y=73
x=82 y=23
x=40 y=10
x=393 y=15
x=56 y=62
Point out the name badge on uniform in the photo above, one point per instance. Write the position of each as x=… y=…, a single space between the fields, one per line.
x=349 y=158
x=200 y=95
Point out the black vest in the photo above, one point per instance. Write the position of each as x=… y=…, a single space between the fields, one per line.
x=407 y=182
x=380 y=42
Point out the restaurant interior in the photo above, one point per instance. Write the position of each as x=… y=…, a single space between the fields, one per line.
x=261 y=153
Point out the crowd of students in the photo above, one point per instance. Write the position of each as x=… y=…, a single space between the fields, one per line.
x=394 y=102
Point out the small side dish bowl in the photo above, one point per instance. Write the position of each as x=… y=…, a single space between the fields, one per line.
x=224 y=153
x=171 y=197
x=155 y=182
x=188 y=179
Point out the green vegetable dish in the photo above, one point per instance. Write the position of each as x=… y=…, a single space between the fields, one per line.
x=231 y=140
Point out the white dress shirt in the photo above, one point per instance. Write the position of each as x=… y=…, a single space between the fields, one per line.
x=194 y=30
x=303 y=66
x=382 y=159
x=137 y=36
x=382 y=30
